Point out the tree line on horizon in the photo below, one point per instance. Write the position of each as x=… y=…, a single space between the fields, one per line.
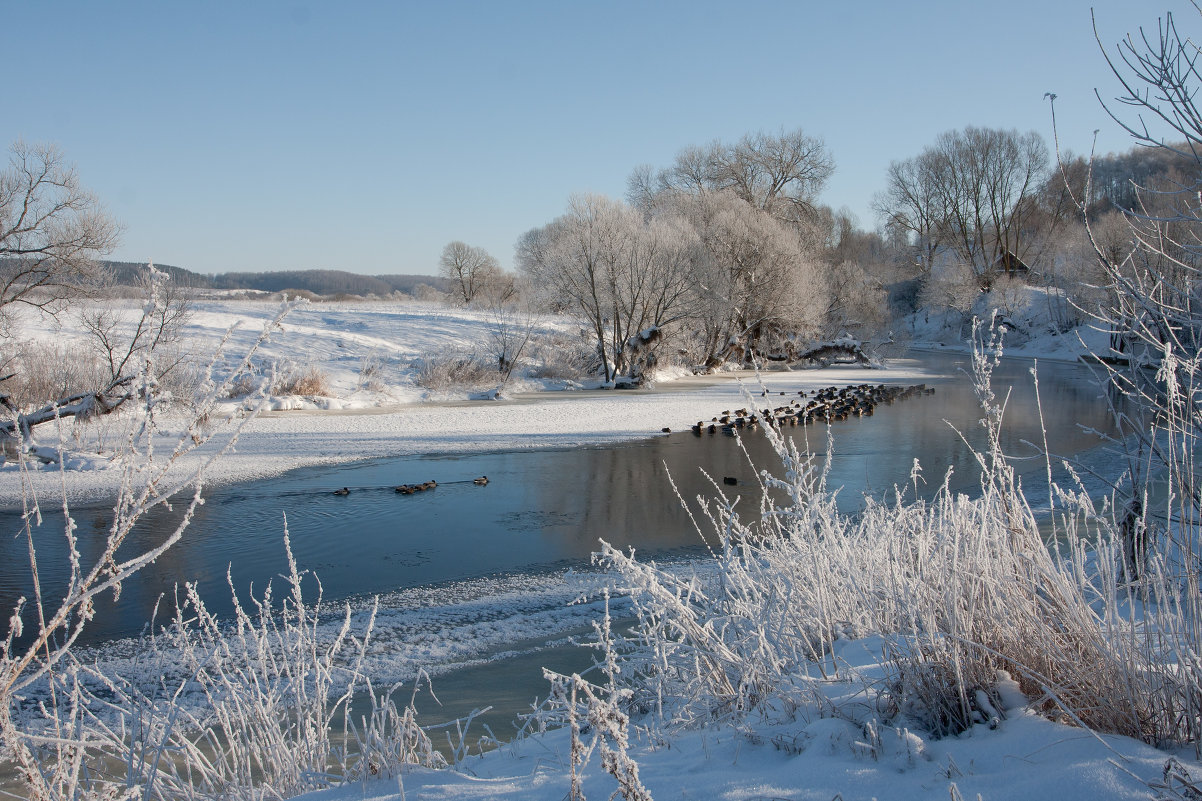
x=318 y=282
x=322 y=283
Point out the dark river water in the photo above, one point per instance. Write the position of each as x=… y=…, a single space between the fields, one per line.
x=471 y=575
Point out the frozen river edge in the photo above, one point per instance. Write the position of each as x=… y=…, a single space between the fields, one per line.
x=277 y=442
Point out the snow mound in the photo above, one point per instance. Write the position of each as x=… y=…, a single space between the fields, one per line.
x=1038 y=322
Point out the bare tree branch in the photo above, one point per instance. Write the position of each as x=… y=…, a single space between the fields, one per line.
x=51 y=230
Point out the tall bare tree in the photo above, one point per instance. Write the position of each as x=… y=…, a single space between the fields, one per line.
x=990 y=181
x=468 y=268
x=51 y=231
x=977 y=192
x=781 y=174
x=910 y=206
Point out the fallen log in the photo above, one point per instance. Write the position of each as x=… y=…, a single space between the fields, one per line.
x=84 y=404
x=842 y=350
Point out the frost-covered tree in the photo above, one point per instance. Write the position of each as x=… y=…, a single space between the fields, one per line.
x=758 y=287
x=753 y=206
x=857 y=302
x=51 y=231
x=627 y=275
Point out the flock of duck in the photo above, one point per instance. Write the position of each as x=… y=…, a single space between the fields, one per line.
x=410 y=489
x=823 y=406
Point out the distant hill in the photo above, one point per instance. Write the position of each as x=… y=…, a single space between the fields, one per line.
x=319 y=282
x=131 y=273
x=326 y=282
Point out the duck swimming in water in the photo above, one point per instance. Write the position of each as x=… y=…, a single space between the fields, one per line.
x=481 y=481
x=343 y=491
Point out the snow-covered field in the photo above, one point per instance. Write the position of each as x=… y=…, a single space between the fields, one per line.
x=374 y=408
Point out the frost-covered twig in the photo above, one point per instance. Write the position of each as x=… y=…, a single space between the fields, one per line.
x=42 y=630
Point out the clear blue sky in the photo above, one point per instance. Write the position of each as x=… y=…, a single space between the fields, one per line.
x=365 y=136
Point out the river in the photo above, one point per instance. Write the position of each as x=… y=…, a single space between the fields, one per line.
x=475 y=581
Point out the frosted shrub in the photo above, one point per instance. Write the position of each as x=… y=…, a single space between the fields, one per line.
x=242 y=385
x=52 y=756
x=606 y=729
x=372 y=368
x=184 y=383
x=604 y=709
x=558 y=355
x=954 y=287
x=387 y=739
x=1009 y=295
x=46 y=371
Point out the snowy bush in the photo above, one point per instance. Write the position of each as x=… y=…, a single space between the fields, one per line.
x=372 y=371
x=560 y=355
x=242 y=385
x=954 y=287
x=605 y=712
